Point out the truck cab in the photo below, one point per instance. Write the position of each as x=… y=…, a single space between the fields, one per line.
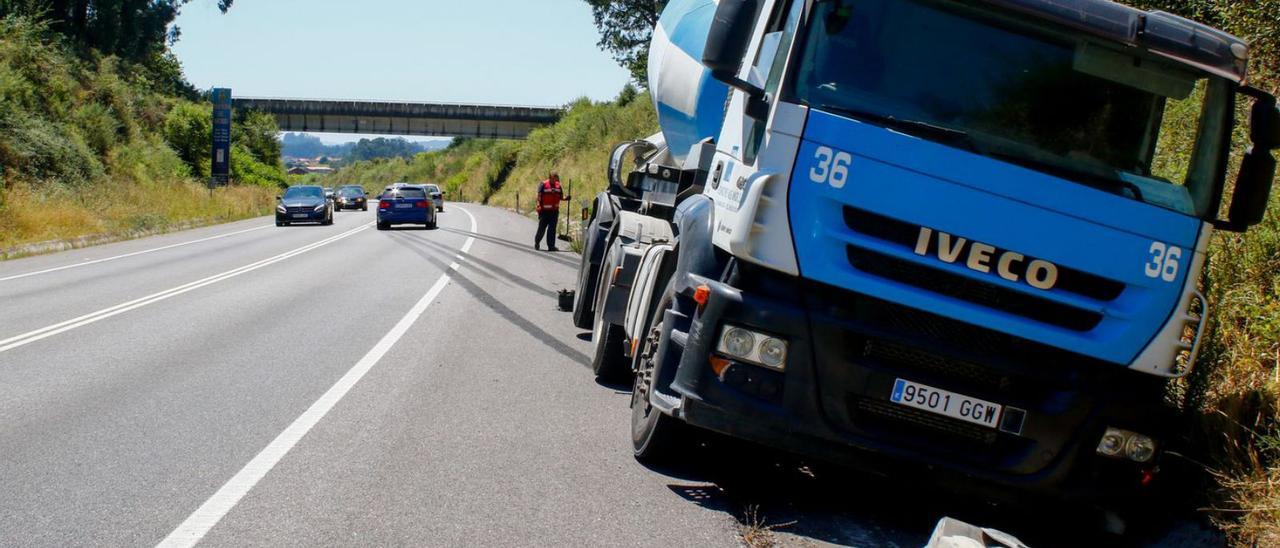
x=957 y=235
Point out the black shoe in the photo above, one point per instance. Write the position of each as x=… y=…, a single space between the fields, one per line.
x=552 y=249
x=537 y=246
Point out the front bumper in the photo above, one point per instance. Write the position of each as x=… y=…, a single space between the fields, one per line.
x=351 y=204
x=407 y=216
x=845 y=352
x=307 y=216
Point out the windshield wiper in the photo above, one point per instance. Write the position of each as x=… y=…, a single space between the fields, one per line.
x=915 y=128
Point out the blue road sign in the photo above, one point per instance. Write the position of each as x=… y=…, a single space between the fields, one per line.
x=221 y=173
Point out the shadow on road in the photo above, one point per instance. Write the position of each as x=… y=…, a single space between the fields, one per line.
x=472 y=261
x=493 y=303
x=569 y=260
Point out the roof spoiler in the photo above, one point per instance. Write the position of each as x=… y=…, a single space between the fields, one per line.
x=1162 y=33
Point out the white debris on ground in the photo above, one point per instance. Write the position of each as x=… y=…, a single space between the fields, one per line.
x=953 y=533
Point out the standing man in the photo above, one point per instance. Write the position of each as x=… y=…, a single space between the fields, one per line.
x=550 y=194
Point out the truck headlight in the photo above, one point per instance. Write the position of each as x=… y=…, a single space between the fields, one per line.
x=773 y=353
x=739 y=342
x=753 y=347
x=1119 y=444
x=1112 y=444
x=1140 y=448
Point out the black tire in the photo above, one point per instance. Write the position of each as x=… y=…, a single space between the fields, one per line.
x=279 y=223
x=383 y=226
x=655 y=436
x=583 y=301
x=584 y=307
x=364 y=208
x=609 y=363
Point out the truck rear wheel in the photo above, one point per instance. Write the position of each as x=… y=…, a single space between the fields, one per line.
x=583 y=311
x=609 y=363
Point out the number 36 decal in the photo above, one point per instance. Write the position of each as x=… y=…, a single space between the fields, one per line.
x=830 y=167
x=1163 y=263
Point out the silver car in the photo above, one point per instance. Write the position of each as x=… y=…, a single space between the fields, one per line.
x=436 y=194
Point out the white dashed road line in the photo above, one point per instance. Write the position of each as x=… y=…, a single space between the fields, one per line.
x=198 y=524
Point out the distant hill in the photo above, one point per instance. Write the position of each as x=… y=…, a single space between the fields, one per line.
x=302 y=145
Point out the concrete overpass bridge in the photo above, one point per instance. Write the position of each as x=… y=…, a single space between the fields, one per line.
x=398 y=118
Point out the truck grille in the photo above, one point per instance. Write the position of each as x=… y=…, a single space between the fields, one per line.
x=916 y=359
x=904 y=234
x=959 y=287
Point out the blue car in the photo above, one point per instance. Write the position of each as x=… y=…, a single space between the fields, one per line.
x=409 y=204
x=304 y=204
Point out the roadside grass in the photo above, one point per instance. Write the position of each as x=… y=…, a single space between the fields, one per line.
x=32 y=215
x=1236 y=408
x=756 y=531
x=93 y=145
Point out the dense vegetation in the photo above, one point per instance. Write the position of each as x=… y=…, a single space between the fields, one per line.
x=92 y=142
x=1235 y=403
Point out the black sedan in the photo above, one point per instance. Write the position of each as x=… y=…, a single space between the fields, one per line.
x=351 y=197
x=304 y=204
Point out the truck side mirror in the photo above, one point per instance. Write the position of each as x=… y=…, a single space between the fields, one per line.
x=727 y=43
x=1258 y=167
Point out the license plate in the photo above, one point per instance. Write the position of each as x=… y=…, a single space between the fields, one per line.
x=948 y=404
x=403 y=206
x=299 y=215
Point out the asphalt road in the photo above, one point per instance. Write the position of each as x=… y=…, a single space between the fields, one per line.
x=300 y=386
x=479 y=424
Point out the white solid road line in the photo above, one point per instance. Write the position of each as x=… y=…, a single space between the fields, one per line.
x=126 y=255
x=198 y=524
x=92 y=317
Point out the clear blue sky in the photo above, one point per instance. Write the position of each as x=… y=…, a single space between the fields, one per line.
x=527 y=52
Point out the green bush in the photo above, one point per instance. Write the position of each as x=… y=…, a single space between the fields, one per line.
x=188 y=128
x=246 y=169
x=99 y=127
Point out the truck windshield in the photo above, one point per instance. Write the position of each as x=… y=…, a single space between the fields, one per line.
x=1084 y=111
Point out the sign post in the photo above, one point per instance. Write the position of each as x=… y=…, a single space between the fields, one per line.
x=221 y=173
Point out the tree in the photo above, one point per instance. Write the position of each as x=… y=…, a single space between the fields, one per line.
x=626 y=27
x=132 y=29
x=258 y=132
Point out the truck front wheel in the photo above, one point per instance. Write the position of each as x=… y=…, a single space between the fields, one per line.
x=655 y=436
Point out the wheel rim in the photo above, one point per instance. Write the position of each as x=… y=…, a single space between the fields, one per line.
x=641 y=407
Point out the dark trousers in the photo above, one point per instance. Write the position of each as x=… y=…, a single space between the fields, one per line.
x=547 y=225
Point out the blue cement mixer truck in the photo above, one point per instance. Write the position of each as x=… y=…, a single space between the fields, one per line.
x=962 y=238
